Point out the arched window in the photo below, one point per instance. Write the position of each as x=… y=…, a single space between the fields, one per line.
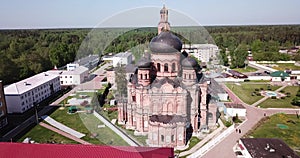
x=146 y=76
x=189 y=76
x=185 y=76
x=162 y=138
x=166 y=67
x=141 y=76
x=158 y=67
x=173 y=67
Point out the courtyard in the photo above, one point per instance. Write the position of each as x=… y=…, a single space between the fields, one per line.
x=249 y=92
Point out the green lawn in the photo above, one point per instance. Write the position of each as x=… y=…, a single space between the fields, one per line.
x=193 y=142
x=269 y=129
x=41 y=134
x=141 y=139
x=244 y=91
x=282 y=66
x=81 y=122
x=105 y=134
x=87 y=124
x=281 y=103
x=248 y=69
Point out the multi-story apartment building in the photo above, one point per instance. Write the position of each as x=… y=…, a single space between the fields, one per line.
x=3 y=108
x=22 y=95
x=203 y=52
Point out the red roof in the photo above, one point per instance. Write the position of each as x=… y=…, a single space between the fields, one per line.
x=17 y=150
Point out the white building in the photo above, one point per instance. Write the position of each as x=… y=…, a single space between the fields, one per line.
x=75 y=75
x=123 y=58
x=22 y=95
x=232 y=110
x=203 y=52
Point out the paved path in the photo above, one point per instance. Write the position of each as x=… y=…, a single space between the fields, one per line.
x=254 y=115
x=204 y=141
x=116 y=130
x=62 y=127
x=64 y=134
x=31 y=120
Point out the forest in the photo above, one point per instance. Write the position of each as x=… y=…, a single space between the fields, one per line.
x=24 y=53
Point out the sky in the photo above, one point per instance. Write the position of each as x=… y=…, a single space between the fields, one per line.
x=16 y=14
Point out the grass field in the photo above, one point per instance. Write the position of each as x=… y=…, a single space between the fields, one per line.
x=244 y=91
x=281 y=103
x=193 y=142
x=248 y=69
x=81 y=122
x=269 y=129
x=40 y=134
x=284 y=66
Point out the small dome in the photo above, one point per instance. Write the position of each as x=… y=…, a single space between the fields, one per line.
x=144 y=63
x=189 y=62
x=165 y=42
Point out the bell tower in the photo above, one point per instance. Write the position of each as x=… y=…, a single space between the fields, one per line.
x=163 y=24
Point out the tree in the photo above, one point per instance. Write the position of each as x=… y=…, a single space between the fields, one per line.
x=121 y=81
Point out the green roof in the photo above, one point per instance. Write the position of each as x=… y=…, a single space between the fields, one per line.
x=279 y=74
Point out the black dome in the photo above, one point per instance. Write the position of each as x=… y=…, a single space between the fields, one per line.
x=165 y=42
x=189 y=62
x=144 y=63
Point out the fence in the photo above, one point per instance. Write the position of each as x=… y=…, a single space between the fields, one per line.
x=212 y=143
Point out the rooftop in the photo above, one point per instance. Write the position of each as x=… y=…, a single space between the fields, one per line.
x=123 y=54
x=234 y=105
x=80 y=151
x=77 y=71
x=29 y=83
x=279 y=74
x=267 y=147
x=167 y=118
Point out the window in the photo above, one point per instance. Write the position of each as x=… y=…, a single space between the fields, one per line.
x=158 y=67
x=162 y=138
x=70 y=76
x=133 y=98
x=0 y=103
x=141 y=76
x=172 y=138
x=189 y=76
x=173 y=67
x=184 y=76
x=66 y=76
x=146 y=76
x=166 y=67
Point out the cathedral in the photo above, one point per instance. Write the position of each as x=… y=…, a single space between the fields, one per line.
x=167 y=95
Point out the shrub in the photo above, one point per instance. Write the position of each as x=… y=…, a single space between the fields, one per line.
x=273 y=97
x=246 y=80
x=261 y=88
x=282 y=97
x=288 y=94
x=282 y=91
x=258 y=94
x=296 y=101
x=256 y=89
